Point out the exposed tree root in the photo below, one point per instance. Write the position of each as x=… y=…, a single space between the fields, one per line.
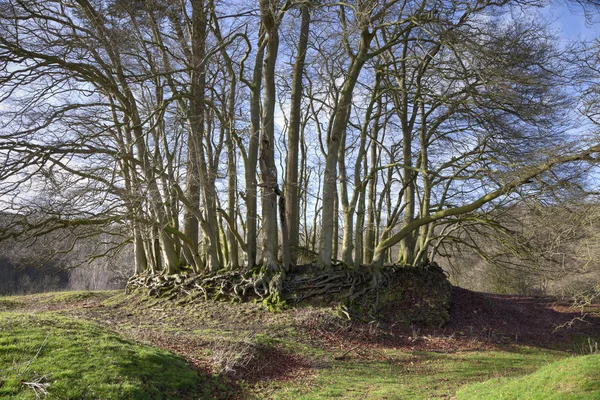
x=359 y=291
x=305 y=283
x=229 y=285
x=340 y=282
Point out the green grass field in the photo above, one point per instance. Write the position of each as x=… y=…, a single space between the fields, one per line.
x=571 y=378
x=416 y=375
x=91 y=345
x=73 y=359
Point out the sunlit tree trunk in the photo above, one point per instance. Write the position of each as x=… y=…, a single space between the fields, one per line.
x=342 y=113
x=252 y=158
x=229 y=112
x=291 y=188
x=267 y=140
x=371 y=228
x=192 y=192
x=349 y=205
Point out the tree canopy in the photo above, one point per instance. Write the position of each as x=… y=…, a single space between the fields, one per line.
x=235 y=135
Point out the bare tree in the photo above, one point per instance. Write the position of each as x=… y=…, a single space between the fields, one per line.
x=403 y=120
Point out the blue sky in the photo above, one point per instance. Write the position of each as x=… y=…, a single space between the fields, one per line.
x=571 y=22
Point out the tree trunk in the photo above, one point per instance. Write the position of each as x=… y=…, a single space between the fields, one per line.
x=230 y=137
x=252 y=159
x=267 y=140
x=425 y=231
x=141 y=262
x=371 y=228
x=192 y=192
x=360 y=227
x=349 y=206
x=197 y=122
x=407 y=245
x=347 y=210
x=336 y=228
x=286 y=257
x=340 y=123
x=291 y=189
x=232 y=242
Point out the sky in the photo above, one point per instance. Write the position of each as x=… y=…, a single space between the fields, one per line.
x=571 y=22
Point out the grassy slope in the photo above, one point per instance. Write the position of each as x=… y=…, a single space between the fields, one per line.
x=415 y=375
x=571 y=378
x=83 y=360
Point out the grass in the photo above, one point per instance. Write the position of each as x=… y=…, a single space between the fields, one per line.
x=415 y=375
x=571 y=378
x=9 y=304
x=75 y=359
x=56 y=298
x=72 y=359
x=74 y=296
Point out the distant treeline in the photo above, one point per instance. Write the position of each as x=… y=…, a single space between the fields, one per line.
x=26 y=275
x=29 y=279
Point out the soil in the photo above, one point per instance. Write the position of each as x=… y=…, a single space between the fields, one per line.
x=539 y=321
x=199 y=331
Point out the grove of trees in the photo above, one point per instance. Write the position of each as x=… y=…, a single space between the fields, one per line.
x=255 y=136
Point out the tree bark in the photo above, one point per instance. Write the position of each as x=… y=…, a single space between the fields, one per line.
x=197 y=122
x=291 y=188
x=340 y=122
x=267 y=140
x=252 y=159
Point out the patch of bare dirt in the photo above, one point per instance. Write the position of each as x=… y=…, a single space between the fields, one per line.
x=540 y=321
x=478 y=321
x=277 y=365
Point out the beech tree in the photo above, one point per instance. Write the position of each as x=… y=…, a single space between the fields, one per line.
x=368 y=126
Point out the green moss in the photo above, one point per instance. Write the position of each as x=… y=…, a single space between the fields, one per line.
x=275 y=303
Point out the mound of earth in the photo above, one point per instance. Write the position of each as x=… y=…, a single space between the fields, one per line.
x=506 y=318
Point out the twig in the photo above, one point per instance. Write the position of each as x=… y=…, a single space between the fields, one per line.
x=38 y=386
x=347 y=352
x=36 y=355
